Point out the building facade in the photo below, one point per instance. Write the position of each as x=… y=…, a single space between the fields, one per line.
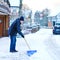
x=4 y=17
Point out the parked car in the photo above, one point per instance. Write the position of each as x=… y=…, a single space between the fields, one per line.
x=56 y=28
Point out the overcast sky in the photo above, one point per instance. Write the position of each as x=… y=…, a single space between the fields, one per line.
x=53 y=5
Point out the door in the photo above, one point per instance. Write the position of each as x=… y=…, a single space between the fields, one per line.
x=1 y=26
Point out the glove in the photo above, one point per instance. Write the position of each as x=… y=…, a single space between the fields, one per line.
x=23 y=36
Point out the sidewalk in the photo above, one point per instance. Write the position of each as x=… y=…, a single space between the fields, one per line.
x=42 y=41
x=22 y=48
x=6 y=55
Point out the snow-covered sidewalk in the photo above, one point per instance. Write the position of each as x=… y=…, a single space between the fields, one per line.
x=43 y=41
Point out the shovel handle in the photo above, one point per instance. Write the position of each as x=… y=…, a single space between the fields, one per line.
x=27 y=43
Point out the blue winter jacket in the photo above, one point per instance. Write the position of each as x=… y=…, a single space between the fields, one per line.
x=15 y=28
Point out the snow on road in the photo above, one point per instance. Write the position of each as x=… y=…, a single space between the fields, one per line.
x=46 y=44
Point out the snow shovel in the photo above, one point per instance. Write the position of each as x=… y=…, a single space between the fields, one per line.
x=30 y=52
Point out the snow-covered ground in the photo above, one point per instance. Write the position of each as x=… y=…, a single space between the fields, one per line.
x=46 y=44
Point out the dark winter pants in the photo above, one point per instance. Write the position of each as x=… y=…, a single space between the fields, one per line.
x=12 y=43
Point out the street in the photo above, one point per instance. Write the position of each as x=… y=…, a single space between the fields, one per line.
x=46 y=44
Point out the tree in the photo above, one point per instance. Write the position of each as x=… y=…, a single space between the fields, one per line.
x=37 y=17
x=20 y=8
x=45 y=18
x=46 y=12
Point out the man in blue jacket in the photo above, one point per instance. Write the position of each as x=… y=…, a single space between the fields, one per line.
x=13 y=30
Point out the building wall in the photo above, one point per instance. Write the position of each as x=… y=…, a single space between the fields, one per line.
x=4 y=18
x=1 y=26
x=4 y=25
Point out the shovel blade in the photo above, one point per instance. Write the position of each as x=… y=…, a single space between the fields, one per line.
x=31 y=52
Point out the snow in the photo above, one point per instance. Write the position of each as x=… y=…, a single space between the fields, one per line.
x=46 y=44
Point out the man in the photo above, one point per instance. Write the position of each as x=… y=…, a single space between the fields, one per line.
x=13 y=30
